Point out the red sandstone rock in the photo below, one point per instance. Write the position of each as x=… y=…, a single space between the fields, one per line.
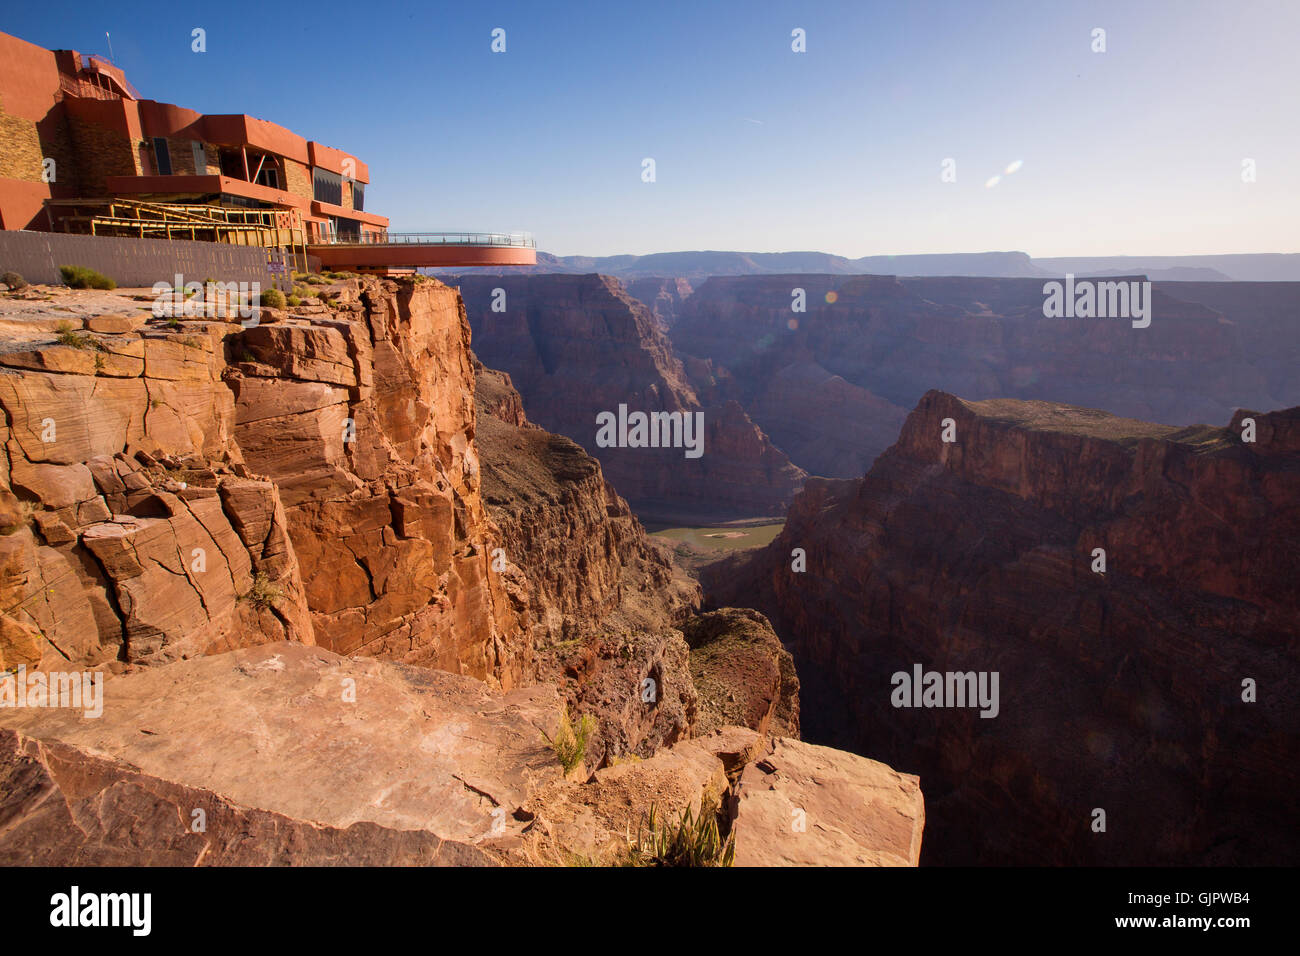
x=1120 y=691
x=576 y=346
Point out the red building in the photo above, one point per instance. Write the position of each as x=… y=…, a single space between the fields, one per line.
x=73 y=128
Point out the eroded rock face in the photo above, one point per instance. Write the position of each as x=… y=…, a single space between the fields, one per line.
x=1210 y=347
x=136 y=539
x=302 y=732
x=797 y=804
x=743 y=675
x=332 y=491
x=599 y=600
x=577 y=346
x=365 y=420
x=289 y=754
x=664 y=297
x=65 y=806
x=979 y=556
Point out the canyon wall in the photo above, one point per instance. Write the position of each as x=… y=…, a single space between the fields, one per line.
x=1129 y=688
x=600 y=602
x=174 y=488
x=576 y=346
x=868 y=347
x=663 y=296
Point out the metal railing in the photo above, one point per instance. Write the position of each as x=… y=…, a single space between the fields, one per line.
x=512 y=239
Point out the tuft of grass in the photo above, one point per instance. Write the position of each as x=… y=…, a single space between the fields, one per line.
x=692 y=841
x=83 y=277
x=293 y=301
x=69 y=336
x=264 y=593
x=570 y=742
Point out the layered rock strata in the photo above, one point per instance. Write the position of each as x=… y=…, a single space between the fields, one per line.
x=579 y=346
x=1159 y=687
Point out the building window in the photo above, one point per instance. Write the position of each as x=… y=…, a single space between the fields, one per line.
x=200 y=158
x=348 y=230
x=358 y=196
x=162 y=158
x=327 y=186
x=268 y=175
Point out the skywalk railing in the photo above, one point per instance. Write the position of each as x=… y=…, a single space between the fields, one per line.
x=500 y=239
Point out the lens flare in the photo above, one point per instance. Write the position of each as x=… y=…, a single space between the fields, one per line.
x=832 y=297
x=992 y=181
x=1014 y=167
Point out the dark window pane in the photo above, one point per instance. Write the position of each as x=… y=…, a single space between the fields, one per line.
x=327 y=186
x=162 y=157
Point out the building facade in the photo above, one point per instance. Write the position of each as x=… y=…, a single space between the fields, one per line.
x=73 y=127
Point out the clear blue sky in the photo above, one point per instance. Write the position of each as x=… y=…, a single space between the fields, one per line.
x=1137 y=150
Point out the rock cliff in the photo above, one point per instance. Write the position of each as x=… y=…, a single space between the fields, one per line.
x=664 y=297
x=830 y=384
x=577 y=346
x=292 y=755
x=184 y=487
x=600 y=600
x=1158 y=687
x=344 y=590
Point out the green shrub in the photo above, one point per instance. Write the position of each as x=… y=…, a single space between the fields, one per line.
x=691 y=842
x=81 y=277
x=263 y=593
x=14 y=281
x=293 y=302
x=569 y=742
x=273 y=298
x=67 y=335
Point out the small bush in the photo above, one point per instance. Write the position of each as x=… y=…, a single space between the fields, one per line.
x=691 y=842
x=14 y=281
x=81 y=277
x=293 y=302
x=69 y=336
x=272 y=298
x=263 y=593
x=569 y=742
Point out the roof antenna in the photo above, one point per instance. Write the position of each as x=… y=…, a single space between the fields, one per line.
x=110 y=47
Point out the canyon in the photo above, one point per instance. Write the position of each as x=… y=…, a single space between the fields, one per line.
x=577 y=347
x=831 y=385
x=1126 y=686
x=385 y=572
x=346 y=594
